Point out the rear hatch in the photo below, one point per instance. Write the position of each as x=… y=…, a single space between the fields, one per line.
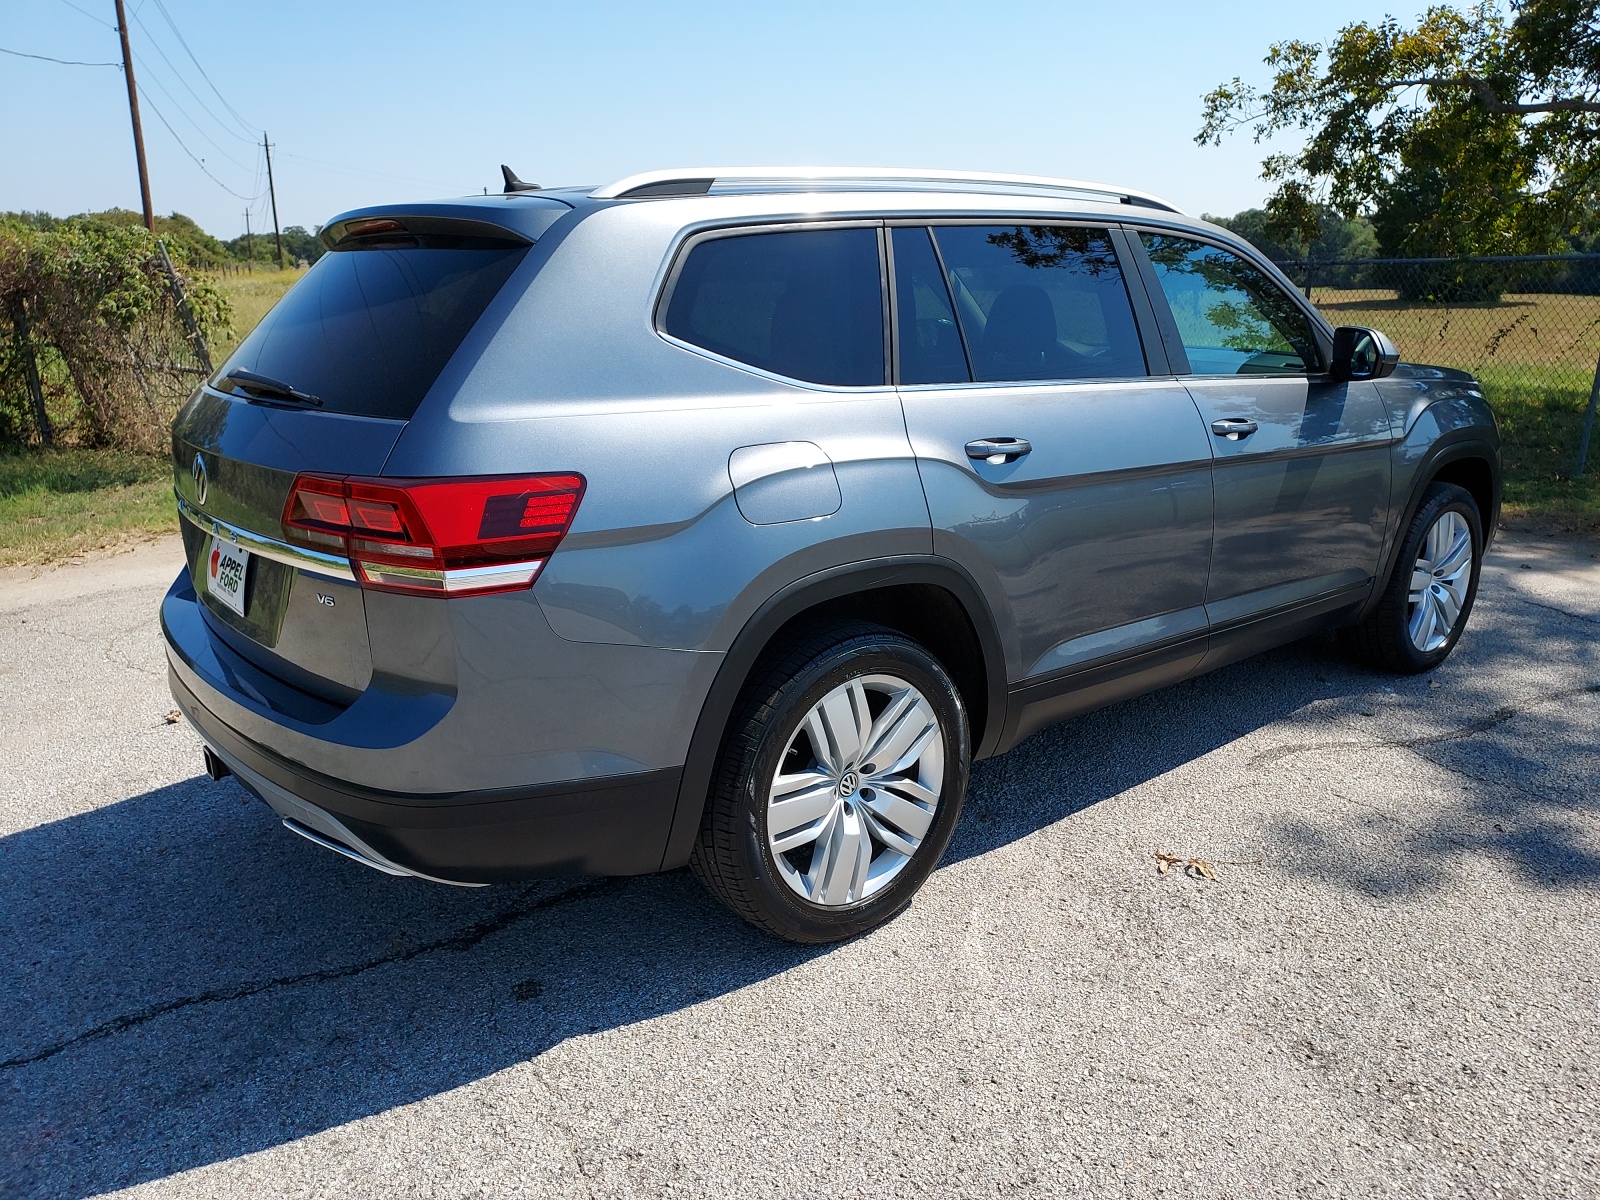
x=326 y=384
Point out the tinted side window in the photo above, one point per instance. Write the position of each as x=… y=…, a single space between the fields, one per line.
x=1041 y=302
x=1233 y=319
x=930 y=344
x=805 y=303
x=368 y=331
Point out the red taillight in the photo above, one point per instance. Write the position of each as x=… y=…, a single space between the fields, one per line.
x=438 y=537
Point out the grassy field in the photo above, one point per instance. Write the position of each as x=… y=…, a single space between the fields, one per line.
x=1542 y=339
x=59 y=503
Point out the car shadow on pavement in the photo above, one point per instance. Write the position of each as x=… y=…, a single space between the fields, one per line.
x=188 y=983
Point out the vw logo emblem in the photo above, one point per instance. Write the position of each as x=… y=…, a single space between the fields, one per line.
x=197 y=472
x=849 y=784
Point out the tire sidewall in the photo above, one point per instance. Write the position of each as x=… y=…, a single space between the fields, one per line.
x=1443 y=498
x=892 y=655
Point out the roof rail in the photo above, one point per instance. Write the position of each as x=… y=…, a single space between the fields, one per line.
x=701 y=180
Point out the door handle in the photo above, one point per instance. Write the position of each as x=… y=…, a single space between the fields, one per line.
x=1233 y=428
x=1000 y=450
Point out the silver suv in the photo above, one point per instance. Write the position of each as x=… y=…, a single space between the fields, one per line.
x=724 y=517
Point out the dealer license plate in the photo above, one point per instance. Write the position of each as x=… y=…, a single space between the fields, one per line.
x=227 y=566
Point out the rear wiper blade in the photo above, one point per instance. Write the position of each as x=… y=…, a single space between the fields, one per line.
x=264 y=387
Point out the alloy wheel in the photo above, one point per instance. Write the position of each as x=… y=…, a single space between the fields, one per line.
x=856 y=790
x=1439 y=582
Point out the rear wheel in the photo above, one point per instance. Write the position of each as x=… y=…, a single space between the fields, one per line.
x=841 y=781
x=1427 y=599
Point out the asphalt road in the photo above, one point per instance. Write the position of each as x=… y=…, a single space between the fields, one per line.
x=1393 y=987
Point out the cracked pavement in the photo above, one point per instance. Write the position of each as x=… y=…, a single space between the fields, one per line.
x=1403 y=997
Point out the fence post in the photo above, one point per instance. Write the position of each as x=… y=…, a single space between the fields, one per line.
x=195 y=336
x=1588 y=424
x=30 y=369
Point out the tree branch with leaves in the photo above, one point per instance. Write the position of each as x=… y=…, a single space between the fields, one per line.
x=1474 y=131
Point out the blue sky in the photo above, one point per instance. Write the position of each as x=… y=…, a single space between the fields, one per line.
x=371 y=103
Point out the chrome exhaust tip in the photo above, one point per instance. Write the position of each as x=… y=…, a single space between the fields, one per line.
x=215 y=767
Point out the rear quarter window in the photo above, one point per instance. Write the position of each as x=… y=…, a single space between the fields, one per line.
x=806 y=304
x=368 y=330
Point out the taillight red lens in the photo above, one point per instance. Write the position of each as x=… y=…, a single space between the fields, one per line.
x=436 y=536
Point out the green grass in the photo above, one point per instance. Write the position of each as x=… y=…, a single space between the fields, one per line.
x=58 y=503
x=1540 y=428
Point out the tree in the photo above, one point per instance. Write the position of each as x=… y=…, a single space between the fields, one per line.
x=1336 y=237
x=298 y=243
x=1468 y=134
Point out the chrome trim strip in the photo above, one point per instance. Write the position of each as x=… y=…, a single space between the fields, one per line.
x=457 y=579
x=300 y=557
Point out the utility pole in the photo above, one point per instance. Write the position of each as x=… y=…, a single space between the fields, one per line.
x=138 y=130
x=271 y=191
x=249 y=245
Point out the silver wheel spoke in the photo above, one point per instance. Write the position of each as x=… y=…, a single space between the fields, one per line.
x=839 y=868
x=900 y=740
x=900 y=812
x=793 y=822
x=839 y=832
x=1457 y=559
x=1439 y=582
x=1420 y=580
x=845 y=720
x=888 y=834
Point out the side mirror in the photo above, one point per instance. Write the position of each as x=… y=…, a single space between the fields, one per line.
x=1362 y=354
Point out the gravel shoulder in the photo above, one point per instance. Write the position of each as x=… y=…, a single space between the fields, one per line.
x=1393 y=985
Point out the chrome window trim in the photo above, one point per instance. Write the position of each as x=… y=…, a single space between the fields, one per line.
x=300 y=557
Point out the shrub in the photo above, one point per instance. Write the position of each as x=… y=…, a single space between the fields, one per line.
x=104 y=330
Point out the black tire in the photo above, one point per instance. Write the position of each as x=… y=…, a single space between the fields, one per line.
x=1384 y=638
x=733 y=858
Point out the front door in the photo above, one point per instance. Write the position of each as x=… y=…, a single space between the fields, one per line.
x=1072 y=485
x=1302 y=461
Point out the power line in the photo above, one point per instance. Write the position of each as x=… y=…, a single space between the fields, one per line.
x=199 y=162
x=179 y=74
x=88 y=14
x=162 y=8
x=65 y=62
x=178 y=105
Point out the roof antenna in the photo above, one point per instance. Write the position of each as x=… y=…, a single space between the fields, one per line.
x=513 y=184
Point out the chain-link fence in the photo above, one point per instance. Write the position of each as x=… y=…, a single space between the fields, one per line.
x=1528 y=327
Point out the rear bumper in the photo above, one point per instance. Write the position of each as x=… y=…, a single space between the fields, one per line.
x=614 y=825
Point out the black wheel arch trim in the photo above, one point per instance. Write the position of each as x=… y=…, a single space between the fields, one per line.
x=1453 y=447
x=792 y=601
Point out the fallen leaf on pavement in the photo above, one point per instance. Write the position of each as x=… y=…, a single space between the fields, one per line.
x=1199 y=868
x=173 y=717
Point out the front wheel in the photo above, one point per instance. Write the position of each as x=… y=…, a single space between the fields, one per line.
x=1427 y=599
x=840 y=784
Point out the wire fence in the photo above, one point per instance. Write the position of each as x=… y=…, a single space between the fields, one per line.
x=1528 y=327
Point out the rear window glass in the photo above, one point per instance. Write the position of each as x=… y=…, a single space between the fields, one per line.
x=368 y=331
x=807 y=304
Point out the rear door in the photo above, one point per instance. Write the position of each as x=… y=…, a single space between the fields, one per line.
x=1302 y=461
x=364 y=334
x=1073 y=485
